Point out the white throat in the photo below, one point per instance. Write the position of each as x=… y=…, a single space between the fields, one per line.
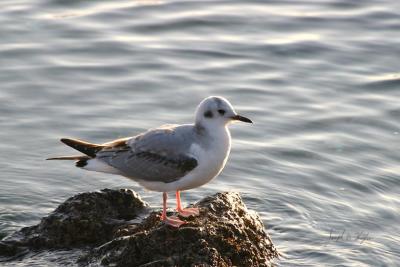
x=220 y=138
x=212 y=157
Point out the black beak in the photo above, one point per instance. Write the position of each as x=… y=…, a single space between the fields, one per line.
x=241 y=118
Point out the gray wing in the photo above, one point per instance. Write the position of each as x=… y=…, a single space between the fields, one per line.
x=159 y=155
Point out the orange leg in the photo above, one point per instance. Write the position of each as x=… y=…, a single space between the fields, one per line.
x=185 y=212
x=173 y=221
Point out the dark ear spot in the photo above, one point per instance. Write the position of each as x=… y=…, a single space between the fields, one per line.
x=208 y=114
x=221 y=112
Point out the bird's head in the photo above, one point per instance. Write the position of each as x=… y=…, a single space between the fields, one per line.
x=216 y=110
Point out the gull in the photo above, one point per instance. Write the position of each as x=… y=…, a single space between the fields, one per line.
x=167 y=158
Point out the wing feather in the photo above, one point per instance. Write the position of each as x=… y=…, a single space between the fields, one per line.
x=159 y=155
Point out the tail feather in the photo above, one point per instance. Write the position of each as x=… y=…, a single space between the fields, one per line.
x=69 y=158
x=81 y=161
x=82 y=146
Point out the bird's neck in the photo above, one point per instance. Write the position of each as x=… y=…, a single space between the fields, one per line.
x=216 y=132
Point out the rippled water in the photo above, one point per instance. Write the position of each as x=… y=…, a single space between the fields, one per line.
x=320 y=79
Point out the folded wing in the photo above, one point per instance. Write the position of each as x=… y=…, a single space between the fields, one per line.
x=159 y=155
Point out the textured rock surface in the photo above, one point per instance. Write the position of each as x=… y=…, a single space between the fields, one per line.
x=225 y=233
x=85 y=219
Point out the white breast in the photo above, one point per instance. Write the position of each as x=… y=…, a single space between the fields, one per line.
x=211 y=161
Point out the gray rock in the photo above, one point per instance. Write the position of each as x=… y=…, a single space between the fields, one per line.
x=82 y=220
x=225 y=233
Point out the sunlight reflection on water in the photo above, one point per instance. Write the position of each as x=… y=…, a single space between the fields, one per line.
x=319 y=79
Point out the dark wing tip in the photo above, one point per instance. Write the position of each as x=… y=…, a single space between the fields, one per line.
x=66 y=140
x=189 y=164
x=82 y=146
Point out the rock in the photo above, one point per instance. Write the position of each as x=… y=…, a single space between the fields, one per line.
x=225 y=233
x=85 y=219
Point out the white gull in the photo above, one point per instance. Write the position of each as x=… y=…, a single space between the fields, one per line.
x=168 y=158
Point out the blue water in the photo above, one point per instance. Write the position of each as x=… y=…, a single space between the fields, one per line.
x=320 y=79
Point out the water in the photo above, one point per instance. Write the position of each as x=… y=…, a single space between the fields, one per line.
x=320 y=79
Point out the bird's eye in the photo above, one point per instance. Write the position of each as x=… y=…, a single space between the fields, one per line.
x=208 y=114
x=221 y=112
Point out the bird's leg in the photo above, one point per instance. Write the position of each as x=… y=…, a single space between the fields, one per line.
x=184 y=212
x=173 y=221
